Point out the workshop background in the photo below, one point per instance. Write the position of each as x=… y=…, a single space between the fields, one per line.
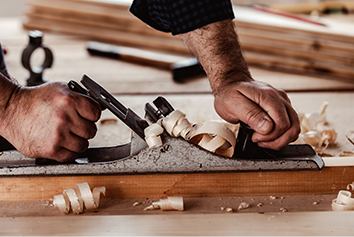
x=310 y=56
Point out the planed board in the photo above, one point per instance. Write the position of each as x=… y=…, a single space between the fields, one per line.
x=329 y=180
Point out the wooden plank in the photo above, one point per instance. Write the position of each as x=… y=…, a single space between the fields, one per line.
x=243 y=224
x=126 y=78
x=261 y=56
x=308 y=54
x=327 y=181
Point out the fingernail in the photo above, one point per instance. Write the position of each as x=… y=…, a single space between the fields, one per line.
x=265 y=126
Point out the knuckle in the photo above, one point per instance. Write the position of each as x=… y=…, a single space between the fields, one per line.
x=284 y=125
x=253 y=115
x=52 y=151
x=65 y=101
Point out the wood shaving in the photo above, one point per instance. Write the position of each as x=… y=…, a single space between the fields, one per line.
x=136 y=204
x=243 y=206
x=108 y=121
x=282 y=209
x=259 y=204
x=76 y=200
x=151 y=207
x=315 y=131
x=344 y=200
x=350 y=187
x=214 y=136
x=273 y=197
x=168 y=204
x=228 y=209
x=346 y=154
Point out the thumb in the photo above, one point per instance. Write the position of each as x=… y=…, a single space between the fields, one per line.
x=246 y=111
x=251 y=114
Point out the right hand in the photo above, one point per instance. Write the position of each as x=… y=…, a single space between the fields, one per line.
x=51 y=121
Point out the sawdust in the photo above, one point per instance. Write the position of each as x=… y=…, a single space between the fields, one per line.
x=193 y=205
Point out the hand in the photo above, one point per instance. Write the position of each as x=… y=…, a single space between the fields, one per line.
x=267 y=110
x=50 y=121
x=237 y=96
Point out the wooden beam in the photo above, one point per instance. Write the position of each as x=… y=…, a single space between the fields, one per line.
x=173 y=224
x=329 y=180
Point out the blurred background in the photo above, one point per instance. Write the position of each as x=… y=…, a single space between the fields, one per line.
x=9 y=8
x=17 y=7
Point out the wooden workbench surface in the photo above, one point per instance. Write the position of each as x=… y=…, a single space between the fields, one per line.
x=135 y=85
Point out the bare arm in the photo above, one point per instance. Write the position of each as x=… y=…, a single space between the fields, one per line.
x=237 y=96
x=47 y=121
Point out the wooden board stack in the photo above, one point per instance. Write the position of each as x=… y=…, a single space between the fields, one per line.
x=268 y=40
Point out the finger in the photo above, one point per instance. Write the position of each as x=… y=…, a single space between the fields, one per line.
x=83 y=128
x=255 y=116
x=284 y=117
x=64 y=155
x=88 y=108
x=238 y=107
x=289 y=136
x=74 y=143
x=272 y=102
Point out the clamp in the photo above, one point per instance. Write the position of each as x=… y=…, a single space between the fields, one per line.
x=36 y=73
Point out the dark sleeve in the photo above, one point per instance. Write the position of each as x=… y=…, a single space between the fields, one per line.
x=181 y=16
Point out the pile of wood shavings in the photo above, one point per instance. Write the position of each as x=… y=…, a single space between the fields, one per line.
x=315 y=130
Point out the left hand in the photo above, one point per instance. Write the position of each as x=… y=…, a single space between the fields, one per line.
x=265 y=109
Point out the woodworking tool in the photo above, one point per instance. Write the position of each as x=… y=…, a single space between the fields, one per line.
x=176 y=155
x=36 y=73
x=182 y=68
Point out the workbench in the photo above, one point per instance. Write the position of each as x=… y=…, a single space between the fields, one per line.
x=134 y=85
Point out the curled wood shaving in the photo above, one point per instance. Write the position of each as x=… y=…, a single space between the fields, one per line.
x=152 y=135
x=168 y=204
x=344 y=200
x=216 y=137
x=243 y=205
x=350 y=187
x=315 y=131
x=76 y=200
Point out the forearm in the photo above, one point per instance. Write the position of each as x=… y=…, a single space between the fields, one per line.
x=217 y=48
x=8 y=89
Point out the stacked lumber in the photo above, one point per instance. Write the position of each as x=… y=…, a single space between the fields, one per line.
x=268 y=40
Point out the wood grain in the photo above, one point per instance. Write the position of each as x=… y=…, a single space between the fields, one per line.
x=327 y=181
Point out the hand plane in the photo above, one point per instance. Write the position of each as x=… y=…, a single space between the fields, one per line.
x=175 y=156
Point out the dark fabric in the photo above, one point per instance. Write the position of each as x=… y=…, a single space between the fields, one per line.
x=181 y=16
